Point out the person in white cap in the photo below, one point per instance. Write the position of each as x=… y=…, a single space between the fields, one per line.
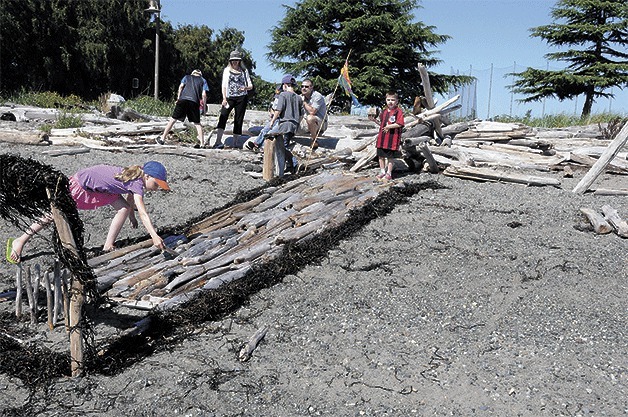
x=236 y=83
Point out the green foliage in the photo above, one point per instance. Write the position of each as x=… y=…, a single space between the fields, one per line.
x=48 y=99
x=559 y=120
x=600 y=27
x=148 y=105
x=89 y=47
x=385 y=45
x=68 y=119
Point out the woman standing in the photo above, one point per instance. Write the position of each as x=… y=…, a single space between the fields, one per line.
x=236 y=83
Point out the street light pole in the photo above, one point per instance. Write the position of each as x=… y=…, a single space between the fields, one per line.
x=155 y=9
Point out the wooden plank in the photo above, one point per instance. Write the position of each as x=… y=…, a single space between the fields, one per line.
x=600 y=225
x=611 y=151
x=485 y=174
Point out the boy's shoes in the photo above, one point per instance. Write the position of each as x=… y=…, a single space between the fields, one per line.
x=218 y=146
x=160 y=140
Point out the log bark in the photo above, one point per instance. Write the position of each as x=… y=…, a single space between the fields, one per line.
x=620 y=226
x=600 y=225
x=611 y=151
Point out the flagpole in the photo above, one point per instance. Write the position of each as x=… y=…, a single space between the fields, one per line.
x=333 y=95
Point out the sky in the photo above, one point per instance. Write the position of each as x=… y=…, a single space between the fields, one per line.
x=489 y=39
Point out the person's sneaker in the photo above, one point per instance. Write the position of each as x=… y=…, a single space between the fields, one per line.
x=388 y=177
x=381 y=175
x=160 y=140
x=251 y=146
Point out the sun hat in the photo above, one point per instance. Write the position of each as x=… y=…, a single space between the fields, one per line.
x=158 y=172
x=288 y=79
x=235 y=56
x=197 y=72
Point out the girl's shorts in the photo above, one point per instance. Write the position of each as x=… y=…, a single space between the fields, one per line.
x=87 y=199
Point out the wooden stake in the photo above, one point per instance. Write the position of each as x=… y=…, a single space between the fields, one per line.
x=29 y=294
x=58 y=301
x=18 y=294
x=268 y=169
x=49 y=300
x=77 y=293
x=36 y=286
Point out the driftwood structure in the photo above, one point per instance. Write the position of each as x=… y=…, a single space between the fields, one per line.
x=223 y=247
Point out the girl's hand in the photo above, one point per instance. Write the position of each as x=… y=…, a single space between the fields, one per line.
x=133 y=221
x=224 y=103
x=159 y=242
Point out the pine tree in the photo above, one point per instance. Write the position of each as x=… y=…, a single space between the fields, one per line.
x=600 y=29
x=385 y=45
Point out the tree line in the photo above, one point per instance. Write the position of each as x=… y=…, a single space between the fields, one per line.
x=89 y=47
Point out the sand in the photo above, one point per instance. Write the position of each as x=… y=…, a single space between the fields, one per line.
x=468 y=299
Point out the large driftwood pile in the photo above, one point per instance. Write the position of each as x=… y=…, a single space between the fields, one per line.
x=223 y=246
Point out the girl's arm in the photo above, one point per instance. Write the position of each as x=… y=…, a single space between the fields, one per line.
x=131 y=202
x=141 y=209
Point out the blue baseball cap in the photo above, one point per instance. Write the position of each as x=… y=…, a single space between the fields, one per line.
x=158 y=172
x=288 y=79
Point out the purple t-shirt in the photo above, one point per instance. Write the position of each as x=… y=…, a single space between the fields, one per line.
x=101 y=178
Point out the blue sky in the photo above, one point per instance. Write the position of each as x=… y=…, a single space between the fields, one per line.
x=490 y=38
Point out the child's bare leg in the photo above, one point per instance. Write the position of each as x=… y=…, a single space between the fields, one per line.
x=123 y=211
x=389 y=165
x=18 y=243
x=200 y=134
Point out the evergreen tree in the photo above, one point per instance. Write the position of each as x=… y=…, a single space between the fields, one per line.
x=315 y=37
x=600 y=29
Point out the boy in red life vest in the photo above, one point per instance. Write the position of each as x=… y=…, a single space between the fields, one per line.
x=389 y=138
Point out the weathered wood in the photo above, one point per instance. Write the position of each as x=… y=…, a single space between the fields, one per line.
x=611 y=151
x=600 y=225
x=65 y=152
x=49 y=300
x=249 y=348
x=608 y=191
x=29 y=294
x=429 y=158
x=427 y=87
x=58 y=299
x=18 y=287
x=77 y=293
x=268 y=169
x=483 y=174
x=24 y=138
x=619 y=225
x=365 y=160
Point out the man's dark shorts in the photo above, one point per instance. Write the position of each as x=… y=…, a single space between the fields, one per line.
x=189 y=109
